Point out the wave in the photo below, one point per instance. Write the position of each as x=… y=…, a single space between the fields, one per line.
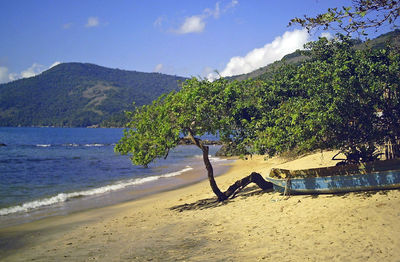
x=86 y=145
x=43 y=145
x=74 y=145
x=213 y=159
x=94 y=145
x=63 y=197
x=217 y=159
x=70 y=144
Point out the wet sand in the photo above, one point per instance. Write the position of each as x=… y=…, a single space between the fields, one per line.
x=188 y=225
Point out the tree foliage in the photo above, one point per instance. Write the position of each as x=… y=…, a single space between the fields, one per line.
x=340 y=97
x=199 y=108
x=364 y=14
x=336 y=99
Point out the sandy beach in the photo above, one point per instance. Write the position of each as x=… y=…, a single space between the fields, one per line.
x=187 y=224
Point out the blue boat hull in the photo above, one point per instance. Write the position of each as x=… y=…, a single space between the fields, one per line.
x=337 y=184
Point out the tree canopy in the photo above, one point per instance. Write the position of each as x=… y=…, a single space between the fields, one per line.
x=336 y=99
x=340 y=98
x=200 y=107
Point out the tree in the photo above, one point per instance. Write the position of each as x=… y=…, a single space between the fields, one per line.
x=199 y=108
x=340 y=97
x=364 y=14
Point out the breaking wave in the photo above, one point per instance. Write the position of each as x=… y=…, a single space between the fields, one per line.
x=71 y=145
x=63 y=197
x=212 y=159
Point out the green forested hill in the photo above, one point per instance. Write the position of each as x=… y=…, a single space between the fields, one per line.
x=77 y=94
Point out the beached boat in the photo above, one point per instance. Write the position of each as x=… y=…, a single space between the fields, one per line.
x=371 y=176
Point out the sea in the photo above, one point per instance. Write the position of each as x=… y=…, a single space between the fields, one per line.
x=55 y=171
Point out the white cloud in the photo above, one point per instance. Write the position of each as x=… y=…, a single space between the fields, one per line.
x=197 y=23
x=232 y=4
x=210 y=74
x=92 y=22
x=327 y=35
x=4 y=75
x=158 y=68
x=213 y=12
x=269 y=53
x=193 y=24
x=33 y=70
x=164 y=69
x=55 y=64
x=13 y=76
x=159 y=21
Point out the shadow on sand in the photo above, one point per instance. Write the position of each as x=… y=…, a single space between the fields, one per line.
x=213 y=202
x=255 y=191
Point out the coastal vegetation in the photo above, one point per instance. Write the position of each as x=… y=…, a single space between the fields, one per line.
x=339 y=98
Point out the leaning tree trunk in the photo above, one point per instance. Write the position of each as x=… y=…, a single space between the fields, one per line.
x=234 y=188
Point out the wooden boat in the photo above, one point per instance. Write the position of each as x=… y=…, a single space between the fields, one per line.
x=371 y=176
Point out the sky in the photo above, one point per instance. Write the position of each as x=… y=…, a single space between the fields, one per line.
x=177 y=37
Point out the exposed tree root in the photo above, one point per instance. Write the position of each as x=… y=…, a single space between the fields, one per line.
x=242 y=183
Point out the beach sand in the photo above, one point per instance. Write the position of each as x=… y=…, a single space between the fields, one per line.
x=254 y=226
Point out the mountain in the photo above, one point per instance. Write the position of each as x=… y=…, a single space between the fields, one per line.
x=296 y=57
x=79 y=95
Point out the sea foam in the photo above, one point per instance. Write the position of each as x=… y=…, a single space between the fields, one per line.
x=43 y=145
x=63 y=197
x=94 y=145
x=212 y=159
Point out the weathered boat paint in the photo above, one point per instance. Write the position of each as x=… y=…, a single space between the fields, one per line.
x=379 y=180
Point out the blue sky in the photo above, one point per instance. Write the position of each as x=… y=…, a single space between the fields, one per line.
x=186 y=38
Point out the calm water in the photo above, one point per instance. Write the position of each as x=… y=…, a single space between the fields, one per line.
x=44 y=169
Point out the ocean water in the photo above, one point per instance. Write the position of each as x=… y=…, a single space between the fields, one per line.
x=51 y=171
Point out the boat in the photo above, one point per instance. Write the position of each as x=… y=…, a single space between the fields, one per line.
x=379 y=175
